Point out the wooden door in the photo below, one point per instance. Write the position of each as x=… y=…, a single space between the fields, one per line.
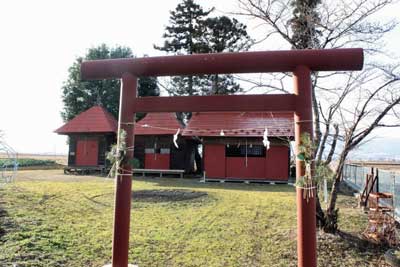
x=277 y=163
x=214 y=160
x=87 y=150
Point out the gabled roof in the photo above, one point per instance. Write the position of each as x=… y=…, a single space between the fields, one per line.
x=240 y=124
x=158 y=124
x=94 y=120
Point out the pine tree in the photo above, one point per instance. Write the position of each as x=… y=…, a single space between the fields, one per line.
x=191 y=31
x=224 y=35
x=183 y=37
x=78 y=95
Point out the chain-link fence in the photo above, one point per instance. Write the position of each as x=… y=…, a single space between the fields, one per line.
x=8 y=163
x=388 y=182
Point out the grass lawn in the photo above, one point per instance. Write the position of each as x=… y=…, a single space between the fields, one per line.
x=50 y=219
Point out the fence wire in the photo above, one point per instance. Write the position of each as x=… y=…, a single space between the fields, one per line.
x=389 y=182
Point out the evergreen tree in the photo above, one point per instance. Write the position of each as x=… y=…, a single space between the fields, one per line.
x=190 y=32
x=183 y=36
x=224 y=35
x=78 y=95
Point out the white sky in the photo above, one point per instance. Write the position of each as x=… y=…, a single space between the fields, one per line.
x=41 y=39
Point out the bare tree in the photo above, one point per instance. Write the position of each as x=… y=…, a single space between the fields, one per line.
x=336 y=24
x=377 y=103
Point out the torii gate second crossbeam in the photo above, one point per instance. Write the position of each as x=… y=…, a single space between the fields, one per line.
x=300 y=62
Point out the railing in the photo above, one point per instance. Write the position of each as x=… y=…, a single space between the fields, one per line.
x=388 y=181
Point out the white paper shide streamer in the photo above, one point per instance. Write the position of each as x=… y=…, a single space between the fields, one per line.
x=176 y=138
x=265 y=138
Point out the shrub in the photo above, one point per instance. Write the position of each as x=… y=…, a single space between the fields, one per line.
x=26 y=162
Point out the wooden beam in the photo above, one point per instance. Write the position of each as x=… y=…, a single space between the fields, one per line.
x=273 y=103
x=220 y=63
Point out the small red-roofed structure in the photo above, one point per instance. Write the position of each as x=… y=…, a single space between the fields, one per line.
x=94 y=120
x=154 y=143
x=90 y=133
x=233 y=144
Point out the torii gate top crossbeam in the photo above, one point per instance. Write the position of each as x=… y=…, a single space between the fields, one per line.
x=222 y=63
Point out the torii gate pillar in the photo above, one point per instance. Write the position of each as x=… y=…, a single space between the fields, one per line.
x=123 y=183
x=306 y=217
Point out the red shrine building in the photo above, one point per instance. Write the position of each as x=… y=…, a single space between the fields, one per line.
x=92 y=133
x=233 y=146
x=231 y=143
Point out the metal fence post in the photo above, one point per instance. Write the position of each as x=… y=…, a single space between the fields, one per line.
x=355 y=175
x=393 y=175
x=377 y=180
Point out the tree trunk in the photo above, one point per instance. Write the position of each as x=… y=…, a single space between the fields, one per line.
x=322 y=143
x=321 y=221
x=190 y=86
x=333 y=146
x=317 y=128
x=214 y=84
x=331 y=215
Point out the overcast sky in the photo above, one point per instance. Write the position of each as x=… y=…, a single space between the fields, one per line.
x=41 y=39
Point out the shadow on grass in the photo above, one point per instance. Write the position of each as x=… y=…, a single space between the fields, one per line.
x=171 y=195
x=347 y=249
x=6 y=224
x=93 y=200
x=3 y=214
x=196 y=184
x=360 y=244
x=346 y=190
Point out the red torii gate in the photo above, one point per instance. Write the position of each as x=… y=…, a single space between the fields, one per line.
x=300 y=62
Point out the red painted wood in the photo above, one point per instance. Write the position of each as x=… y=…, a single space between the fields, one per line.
x=123 y=182
x=166 y=124
x=244 y=62
x=157 y=161
x=274 y=167
x=94 y=120
x=214 y=160
x=271 y=103
x=236 y=168
x=87 y=151
x=210 y=124
x=277 y=163
x=306 y=217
